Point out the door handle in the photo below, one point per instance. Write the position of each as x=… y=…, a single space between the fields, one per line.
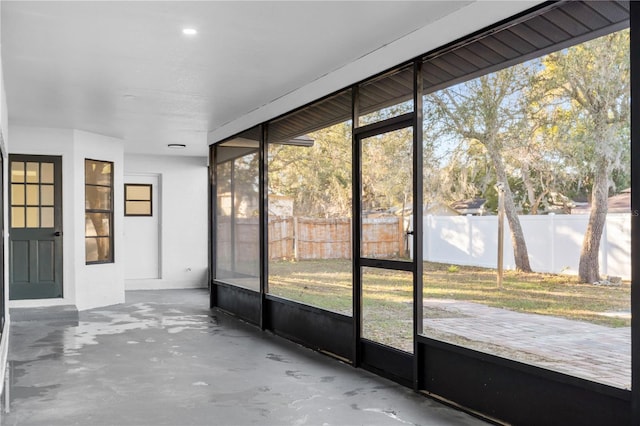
x=57 y=233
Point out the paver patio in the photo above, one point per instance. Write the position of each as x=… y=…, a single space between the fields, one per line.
x=590 y=351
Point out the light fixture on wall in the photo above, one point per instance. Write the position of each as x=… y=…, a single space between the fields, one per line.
x=176 y=146
x=189 y=31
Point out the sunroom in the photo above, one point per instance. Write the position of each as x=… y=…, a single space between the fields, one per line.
x=332 y=225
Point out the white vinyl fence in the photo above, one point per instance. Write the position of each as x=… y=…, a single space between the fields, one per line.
x=553 y=242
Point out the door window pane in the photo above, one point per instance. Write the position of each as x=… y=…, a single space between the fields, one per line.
x=33 y=198
x=46 y=173
x=33 y=217
x=33 y=172
x=31 y=192
x=46 y=195
x=17 y=217
x=17 y=194
x=17 y=171
x=46 y=217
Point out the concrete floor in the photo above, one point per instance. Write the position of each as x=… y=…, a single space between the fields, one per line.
x=163 y=359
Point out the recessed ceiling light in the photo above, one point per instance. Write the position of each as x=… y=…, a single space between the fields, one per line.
x=176 y=146
x=189 y=31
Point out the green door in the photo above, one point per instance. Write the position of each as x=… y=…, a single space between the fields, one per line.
x=35 y=238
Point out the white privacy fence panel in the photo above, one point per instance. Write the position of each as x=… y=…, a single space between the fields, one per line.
x=553 y=242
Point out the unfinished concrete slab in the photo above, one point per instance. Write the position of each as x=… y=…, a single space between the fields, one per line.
x=163 y=358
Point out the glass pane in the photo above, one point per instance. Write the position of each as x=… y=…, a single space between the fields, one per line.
x=386 y=97
x=138 y=208
x=97 y=198
x=238 y=207
x=17 y=194
x=387 y=307
x=17 y=171
x=387 y=194
x=46 y=172
x=33 y=217
x=17 y=217
x=138 y=192
x=33 y=196
x=46 y=195
x=98 y=172
x=310 y=210
x=97 y=224
x=561 y=300
x=98 y=249
x=224 y=243
x=46 y=217
x=33 y=172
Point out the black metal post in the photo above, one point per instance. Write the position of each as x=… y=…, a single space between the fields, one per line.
x=418 y=309
x=213 y=201
x=356 y=188
x=264 y=225
x=635 y=211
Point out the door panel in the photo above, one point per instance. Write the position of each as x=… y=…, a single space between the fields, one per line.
x=19 y=265
x=387 y=307
x=387 y=194
x=142 y=236
x=36 y=227
x=46 y=261
x=386 y=207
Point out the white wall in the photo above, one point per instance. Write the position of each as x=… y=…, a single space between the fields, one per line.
x=98 y=284
x=182 y=205
x=4 y=129
x=142 y=234
x=85 y=286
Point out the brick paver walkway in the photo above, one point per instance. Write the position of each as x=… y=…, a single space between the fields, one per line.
x=590 y=351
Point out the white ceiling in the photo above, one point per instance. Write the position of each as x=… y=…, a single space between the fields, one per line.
x=124 y=68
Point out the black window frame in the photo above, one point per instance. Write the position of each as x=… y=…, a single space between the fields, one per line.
x=150 y=200
x=109 y=211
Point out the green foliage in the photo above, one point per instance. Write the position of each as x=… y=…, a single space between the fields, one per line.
x=317 y=178
x=541 y=125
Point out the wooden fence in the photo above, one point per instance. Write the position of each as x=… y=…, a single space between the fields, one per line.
x=304 y=238
x=308 y=238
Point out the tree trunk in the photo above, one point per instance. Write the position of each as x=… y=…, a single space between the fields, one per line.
x=526 y=180
x=520 y=253
x=589 y=268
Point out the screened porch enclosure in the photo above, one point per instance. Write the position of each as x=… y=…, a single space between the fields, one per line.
x=339 y=226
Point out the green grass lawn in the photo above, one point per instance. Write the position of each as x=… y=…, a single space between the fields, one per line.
x=388 y=294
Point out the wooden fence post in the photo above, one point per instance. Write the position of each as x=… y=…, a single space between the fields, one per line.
x=295 y=237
